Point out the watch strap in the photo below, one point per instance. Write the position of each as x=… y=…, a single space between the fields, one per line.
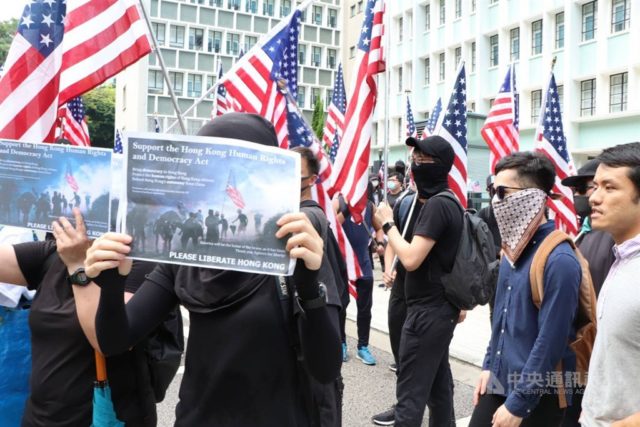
x=387 y=226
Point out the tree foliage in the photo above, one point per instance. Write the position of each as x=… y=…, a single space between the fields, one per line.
x=7 y=31
x=318 y=118
x=100 y=109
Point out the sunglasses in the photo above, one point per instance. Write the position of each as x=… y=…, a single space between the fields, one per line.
x=501 y=191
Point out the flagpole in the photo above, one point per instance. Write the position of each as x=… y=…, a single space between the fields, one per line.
x=163 y=67
x=387 y=95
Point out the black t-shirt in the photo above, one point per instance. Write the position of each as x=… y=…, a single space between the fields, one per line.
x=440 y=219
x=398 y=284
x=62 y=361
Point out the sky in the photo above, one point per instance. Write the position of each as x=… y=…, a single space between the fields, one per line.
x=11 y=9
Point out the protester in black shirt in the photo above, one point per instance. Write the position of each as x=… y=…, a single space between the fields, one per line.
x=240 y=366
x=424 y=376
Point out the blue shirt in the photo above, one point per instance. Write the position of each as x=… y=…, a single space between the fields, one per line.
x=527 y=343
x=359 y=236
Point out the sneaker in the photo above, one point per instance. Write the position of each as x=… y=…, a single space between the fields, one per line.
x=386 y=418
x=393 y=367
x=345 y=355
x=365 y=355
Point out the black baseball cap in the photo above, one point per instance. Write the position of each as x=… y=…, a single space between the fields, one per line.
x=435 y=146
x=585 y=173
x=243 y=126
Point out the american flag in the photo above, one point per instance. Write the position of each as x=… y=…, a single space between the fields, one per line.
x=335 y=116
x=233 y=192
x=551 y=141
x=453 y=128
x=117 y=144
x=61 y=50
x=411 y=124
x=156 y=124
x=300 y=134
x=73 y=125
x=71 y=180
x=500 y=130
x=433 y=119
x=350 y=173
x=221 y=106
x=253 y=83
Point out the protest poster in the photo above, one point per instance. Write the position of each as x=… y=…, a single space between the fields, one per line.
x=209 y=202
x=42 y=182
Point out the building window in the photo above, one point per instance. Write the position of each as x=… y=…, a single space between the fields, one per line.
x=514 y=44
x=473 y=57
x=249 y=42
x=317 y=15
x=331 y=58
x=458 y=8
x=156 y=82
x=194 y=85
x=233 y=4
x=536 y=37
x=442 y=69
x=233 y=44
x=158 y=31
x=301 y=96
x=285 y=7
x=560 y=93
x=210 y=82
x=215 y=41
x=251 y=6
x=333 y=18
x=176 y=36
x=619 y=15
x=399 y=79
x=316 y=55
x=589 y=20
x=302 y=53
x=427 y=71
x=268 y=7
x=196 y=38
x=400 y=22
x=493 y=51
x=536 y=103
x=176 y=82
x=559 y=30
x=458 y=55
x=427 y=13
x=329 y=97
x=315 y=96
x=588 y=97
x=473 y=6
x=618 y=92
x=442 y=12
x=493 y=1
x=360 y=6
x=352 y=52
x=215 y=3
x=352 y=11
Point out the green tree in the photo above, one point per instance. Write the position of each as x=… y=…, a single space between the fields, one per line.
x=7 y=31
x=100 y=109
x=317 y=120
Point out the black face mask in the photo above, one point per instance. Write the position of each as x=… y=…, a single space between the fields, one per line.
x=583 y=208
x=430 y=178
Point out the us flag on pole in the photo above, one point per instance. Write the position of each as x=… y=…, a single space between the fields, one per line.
x=221 y=106
x=233 y=192
x=334 y=125
x=551 y=141
x=117 y=144
x=73 y=124
x=71 y=180
x=453 y=128
x=411 y=124
x=433 y=119
x=500 y=130
x=352 y=162
x=62 y=49
x=258 y=81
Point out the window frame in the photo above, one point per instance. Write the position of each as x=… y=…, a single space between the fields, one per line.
x=626 y=18
x=590 y=110
x=594 y=15
x=536 y=38
x=494 y=50
x=559 y=31
x=623 y=94
x=536 y=105
x=514 y=54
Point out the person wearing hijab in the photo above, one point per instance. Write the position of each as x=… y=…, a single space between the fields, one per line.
x=249 y=350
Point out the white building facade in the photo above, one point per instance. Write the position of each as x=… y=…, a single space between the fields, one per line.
x=196 y=36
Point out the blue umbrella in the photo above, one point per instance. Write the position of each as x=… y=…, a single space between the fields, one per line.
x=104 y=415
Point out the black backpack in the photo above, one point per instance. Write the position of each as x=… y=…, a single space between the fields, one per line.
x=472 y=279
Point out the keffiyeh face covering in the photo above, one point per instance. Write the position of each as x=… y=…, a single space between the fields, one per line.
x=518 y=216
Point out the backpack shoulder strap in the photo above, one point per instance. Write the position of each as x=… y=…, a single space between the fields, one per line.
x=536 y=273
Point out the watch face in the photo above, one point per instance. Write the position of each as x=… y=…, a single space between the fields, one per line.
x=82 y=277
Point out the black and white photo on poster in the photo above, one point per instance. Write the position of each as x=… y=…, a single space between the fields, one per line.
x=43 y=182
x=210 y=202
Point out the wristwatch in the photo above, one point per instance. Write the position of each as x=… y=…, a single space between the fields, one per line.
x=79 y=278
x=319 y=301
x=387 y=226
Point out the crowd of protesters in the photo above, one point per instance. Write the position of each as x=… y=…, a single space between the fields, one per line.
x=284 y=368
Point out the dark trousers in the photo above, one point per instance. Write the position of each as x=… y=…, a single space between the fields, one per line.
x=364 y=302
x=396 y=315
x=546 y=414
x=572 y=413
x=424 y=374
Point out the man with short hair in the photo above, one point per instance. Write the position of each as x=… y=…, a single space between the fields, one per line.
x=529 y=347
x=611 y=397
x=394 y=187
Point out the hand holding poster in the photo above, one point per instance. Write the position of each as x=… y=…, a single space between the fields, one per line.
x=210 y=202
x=42 y=182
